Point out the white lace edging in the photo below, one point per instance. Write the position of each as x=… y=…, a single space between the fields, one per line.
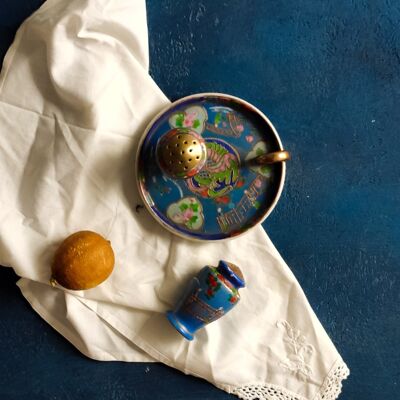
x=265 y=392
x=329 y=390
x=332 y=386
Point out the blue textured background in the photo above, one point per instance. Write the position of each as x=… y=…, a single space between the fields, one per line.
x=327 y=73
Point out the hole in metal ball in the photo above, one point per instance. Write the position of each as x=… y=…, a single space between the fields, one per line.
x=186 y=142
x=190 y=159
x=180 y=162
x=186 y=168
x=190 y=150
x=198 y=158
x=183 y=152
x=179 y=136
x=167 y=146
x=194 y=142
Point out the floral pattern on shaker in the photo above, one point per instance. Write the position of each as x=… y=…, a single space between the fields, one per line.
x=213 y=284
x=214 y=280
x=299 y=351
x=234 y=296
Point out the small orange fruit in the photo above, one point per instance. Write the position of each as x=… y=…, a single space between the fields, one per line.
x=83 y=261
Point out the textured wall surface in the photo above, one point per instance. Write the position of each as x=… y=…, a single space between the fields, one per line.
x=327 y=73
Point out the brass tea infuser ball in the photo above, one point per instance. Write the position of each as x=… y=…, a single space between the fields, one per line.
x=181 y=153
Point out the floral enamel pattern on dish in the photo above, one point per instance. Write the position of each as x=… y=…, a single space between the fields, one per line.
x=229 y=194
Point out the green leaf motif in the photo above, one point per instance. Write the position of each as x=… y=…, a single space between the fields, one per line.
x=196 y=123
x=259 y=152
x=194 y=207
x=183 y=207
x=256 y=205
x=216 y=148
x=217 y=119
x=179 y=120
x=265 y=169
x=193 y=219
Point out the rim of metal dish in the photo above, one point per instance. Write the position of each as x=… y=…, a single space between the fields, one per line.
x=174 y=104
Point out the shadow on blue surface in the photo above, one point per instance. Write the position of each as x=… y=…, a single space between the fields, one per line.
x=327 y=74
x=39 y=364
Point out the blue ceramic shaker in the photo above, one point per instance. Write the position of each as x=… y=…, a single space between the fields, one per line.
x=210 y=295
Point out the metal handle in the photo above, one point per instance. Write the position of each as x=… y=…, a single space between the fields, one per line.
x=274 y=157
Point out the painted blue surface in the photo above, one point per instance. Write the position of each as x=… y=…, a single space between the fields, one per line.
x=229 y=201
x=327 y=73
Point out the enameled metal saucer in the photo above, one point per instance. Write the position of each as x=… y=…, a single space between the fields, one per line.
x=228 y=195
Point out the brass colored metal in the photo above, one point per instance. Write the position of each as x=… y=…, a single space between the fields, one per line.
x=182 y=154
x=274 y=157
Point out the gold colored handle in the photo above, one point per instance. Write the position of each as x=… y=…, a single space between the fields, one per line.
x=274 y=157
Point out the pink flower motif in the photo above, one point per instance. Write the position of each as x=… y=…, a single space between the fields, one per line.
x=178 y=218
x=240 y=128
x=249 y=138
x=189 y=118
x=224 y=124
x=187 y=214
x=257 y=183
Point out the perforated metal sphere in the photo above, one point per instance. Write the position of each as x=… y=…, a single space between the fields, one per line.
x=181 y=153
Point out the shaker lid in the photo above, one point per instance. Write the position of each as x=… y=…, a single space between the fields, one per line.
x=181 y=153
x=232 y=272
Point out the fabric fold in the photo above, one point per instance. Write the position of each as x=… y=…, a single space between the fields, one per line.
x=75 y=97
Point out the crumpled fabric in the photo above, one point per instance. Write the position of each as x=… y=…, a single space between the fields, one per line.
x=75 y=97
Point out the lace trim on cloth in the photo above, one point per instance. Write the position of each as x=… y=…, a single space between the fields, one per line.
x=332 y=386
x=265 y=392
x=330 y=389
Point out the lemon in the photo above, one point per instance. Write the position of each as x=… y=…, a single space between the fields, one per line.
x=84 y=260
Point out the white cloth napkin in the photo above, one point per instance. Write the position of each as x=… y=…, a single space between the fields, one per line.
x=75 y=96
